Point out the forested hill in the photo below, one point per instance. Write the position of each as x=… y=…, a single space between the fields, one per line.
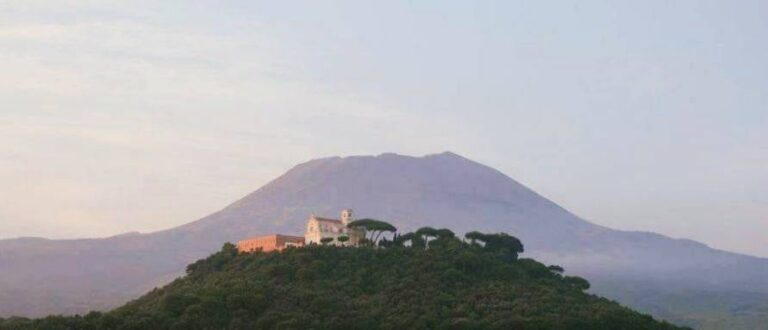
x=450 y=285
x=678 y=280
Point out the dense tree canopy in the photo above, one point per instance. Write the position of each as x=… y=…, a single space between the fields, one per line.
x=451 y=285
x=499 y=242
x=372 y=227
x=425 y=233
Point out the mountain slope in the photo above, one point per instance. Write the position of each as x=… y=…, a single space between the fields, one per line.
x=444 y=190
x=452 y=285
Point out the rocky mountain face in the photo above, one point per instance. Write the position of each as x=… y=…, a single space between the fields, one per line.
x=40 y=276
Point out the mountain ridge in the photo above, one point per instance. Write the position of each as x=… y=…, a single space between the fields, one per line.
x=441 y=190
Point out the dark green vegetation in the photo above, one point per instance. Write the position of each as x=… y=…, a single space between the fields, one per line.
x=373 y=228
x=453 y=284
x=702 y=310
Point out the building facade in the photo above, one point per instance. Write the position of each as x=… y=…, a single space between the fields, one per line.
x=269 y=243
x=319 y=228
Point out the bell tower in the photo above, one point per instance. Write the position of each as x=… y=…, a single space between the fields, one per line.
x=346 y=216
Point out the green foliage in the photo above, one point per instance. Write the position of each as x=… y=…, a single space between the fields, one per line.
x=500 y=242
x=374 y=227
x=699 y=309
x=326 y=240
x=414 y=240
x=425 y=233
x=474 y=236
x=343 y=239
x=451 y=285
x=444 y=233
x=556 y=269
x=577 y=282
x=227 y=253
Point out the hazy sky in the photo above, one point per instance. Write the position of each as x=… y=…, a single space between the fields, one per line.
x=138 y=116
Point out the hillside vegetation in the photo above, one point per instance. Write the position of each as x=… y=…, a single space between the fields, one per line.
x=638 y=269
x=449 y=285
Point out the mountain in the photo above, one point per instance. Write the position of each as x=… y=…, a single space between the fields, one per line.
x=451 y=285
x=444 y=190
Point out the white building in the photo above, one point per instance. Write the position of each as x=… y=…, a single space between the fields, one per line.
x=319 y=228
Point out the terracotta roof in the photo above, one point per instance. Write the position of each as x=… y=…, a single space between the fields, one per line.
x=327 y=220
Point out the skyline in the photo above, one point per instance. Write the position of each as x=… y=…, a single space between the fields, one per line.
x=145 y=116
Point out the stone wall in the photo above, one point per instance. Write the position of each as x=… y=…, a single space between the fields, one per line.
x=269 y=243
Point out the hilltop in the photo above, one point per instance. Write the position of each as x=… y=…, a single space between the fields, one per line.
x=681 y=280
x=451 y=285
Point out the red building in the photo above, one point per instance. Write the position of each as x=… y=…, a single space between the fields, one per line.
x=269 y=243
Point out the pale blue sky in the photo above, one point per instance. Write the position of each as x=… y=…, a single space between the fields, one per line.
x=140 y=116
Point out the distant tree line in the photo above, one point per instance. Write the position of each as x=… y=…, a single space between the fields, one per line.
x=425 y=279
